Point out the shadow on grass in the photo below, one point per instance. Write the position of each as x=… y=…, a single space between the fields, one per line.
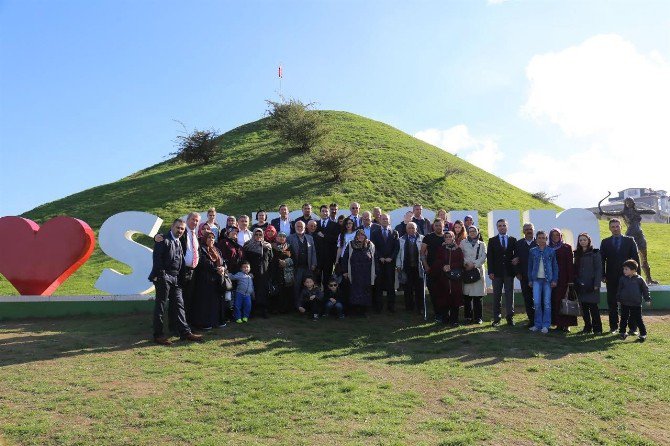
x=401 y=338
x=44 y=339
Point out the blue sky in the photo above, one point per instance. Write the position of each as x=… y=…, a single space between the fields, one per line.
x=554 y=96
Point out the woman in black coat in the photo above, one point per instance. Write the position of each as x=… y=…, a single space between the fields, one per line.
x=258 y=253
x=588 y=274
x=208 y=305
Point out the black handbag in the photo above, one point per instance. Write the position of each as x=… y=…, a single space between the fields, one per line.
x=455 y=274
x=472 y=275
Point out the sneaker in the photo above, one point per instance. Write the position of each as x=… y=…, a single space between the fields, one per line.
x=222 y=325
x=341 y=316
x=633 y=333
x=545 y=330
x=239 y=321
x=495 y=322
x=533 y=328
x=315 y=317
x=245 y=319
x=479 y=322
x=623 y=336
x=614 y=332
x=642 y=338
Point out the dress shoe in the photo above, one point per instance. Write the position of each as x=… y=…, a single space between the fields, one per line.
x=162 y=341
x=193 y=337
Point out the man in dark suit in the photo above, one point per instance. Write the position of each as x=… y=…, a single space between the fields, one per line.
x=303 y=254
x=168 y=261
x=306 y=213
x=615 y=250
x=520 y=262
x=283 y=223
x=190 y=251
x=499 y=255
x=387 y=246
x=328 y=230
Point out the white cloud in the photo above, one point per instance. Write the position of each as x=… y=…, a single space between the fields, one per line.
x=613 y=104
x=482 y=152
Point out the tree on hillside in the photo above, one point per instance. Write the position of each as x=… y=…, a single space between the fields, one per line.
x=544 y=196
x=199 y=146
x=337 y=160
x=298 y=125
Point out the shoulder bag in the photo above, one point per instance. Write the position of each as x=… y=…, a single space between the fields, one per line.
x=472 y=275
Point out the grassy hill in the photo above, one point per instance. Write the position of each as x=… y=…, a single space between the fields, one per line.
x=254 y=171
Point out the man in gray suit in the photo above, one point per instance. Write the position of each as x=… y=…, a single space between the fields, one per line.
x=304 y=258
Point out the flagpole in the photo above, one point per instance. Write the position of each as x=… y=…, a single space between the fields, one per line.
x=280 y=75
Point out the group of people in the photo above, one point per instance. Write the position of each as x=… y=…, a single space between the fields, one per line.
x=337 y=265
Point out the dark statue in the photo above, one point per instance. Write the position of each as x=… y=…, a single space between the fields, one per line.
x=632 y=216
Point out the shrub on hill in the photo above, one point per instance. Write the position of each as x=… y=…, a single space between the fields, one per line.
x=296 y=123
x=198 y=146
x=336 y=160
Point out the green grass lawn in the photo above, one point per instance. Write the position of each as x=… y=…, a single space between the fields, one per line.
x=386 y=380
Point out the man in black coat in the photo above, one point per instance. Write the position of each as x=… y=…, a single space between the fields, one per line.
x=387 y=245
x=520 y=262
x=499 y=255
x=328 y=230
x=283 y=223
x=168 y=261
x=615 y=250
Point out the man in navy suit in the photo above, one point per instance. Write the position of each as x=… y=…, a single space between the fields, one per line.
x=387 y=245
x=168 y=262
x=283 y=223
x=615 y=250
x=499 y=255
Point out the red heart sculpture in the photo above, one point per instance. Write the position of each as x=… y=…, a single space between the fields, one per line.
x=37 y=260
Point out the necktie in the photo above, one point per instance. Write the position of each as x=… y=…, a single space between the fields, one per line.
x=194 y=247
x=617 y=243
x=324 y=223
x=384 y=233
x=503 y=241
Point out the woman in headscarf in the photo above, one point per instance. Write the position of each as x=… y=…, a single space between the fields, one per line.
x=232 y=255
x=566 y=273
x=281 y=273
x=474 y=257
x=448 y=293
x=270 y=233
x=208 y=305
x=359 y=262
x=258 y=253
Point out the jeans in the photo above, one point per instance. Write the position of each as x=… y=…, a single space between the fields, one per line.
x=542 y=303
x=330 y=305
x=242 y=306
